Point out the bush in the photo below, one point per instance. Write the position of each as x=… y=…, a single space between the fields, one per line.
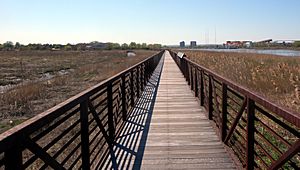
x=297 y=43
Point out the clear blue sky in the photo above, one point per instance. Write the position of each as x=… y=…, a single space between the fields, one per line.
x=150 y=21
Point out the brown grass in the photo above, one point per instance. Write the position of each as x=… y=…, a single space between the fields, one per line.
x=43 y=79
x=275 y=77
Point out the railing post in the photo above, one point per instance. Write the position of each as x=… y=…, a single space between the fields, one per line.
x=151 y=65
x=187 y=72
x=224 y=112
x=181 y=65
x=250 y=133
x=210 y=98
x=84 y=119
x=149 y=68
x=131 y=89
x=138 y=81
x=111 y=128
x=142 y=77
x=13 y=157
x=192 y=78
x=196 y=82
x=184 y=68
x=145 y=76
x=201 y=88
x=124 y=103
x=146 y=72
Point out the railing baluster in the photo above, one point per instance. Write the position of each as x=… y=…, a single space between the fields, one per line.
x=142 y=77
x=250 y=133
x=138 y=81
x=110 y=109
x=196 y=82
x=182 y=62
x=145 y=74
x=192 y=78
x=202 y=88
x=13 y=157
x=149 y=69
x=85 y=154
x=132 y=88
x=224 y=112
x=151 y=65
x=189 y=73
x=210 y=98
x=185 y=69
x=124 y=103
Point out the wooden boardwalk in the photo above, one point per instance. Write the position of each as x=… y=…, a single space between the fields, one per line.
x=180 y=135
x=146 y=117
x=168 y=129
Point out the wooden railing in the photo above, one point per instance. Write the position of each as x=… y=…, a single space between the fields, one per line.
x=78 y=133
x=261 y=134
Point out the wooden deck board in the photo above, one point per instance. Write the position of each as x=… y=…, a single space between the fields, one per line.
x=168 y=129
x=180 y=130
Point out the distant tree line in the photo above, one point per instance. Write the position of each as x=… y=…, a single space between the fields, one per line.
x=295 y=44
x=95 y=45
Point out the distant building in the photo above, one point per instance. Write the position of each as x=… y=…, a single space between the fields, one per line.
x=238 y=44
x=267 y=41
x=193 y=44
x=182 y=44
x=284 y=42
x=248 y=44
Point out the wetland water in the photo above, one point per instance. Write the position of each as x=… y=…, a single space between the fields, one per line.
x=290 y=53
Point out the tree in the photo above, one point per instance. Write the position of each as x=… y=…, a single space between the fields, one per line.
x=68 y=47
x=8 y=45
x=125 y=46
x=17 y=45
x=113 y=46
x=57 y=46
x=132 y=45
x=154 y=46
x=138 y=46
x=1 y=47
x=116 y=46
x=109 y=46
x=297 y=43
x=157 y=46
x=144 y=46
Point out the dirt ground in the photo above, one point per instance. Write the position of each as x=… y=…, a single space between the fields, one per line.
x=34 y=81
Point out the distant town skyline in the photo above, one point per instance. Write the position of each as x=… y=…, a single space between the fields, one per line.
x=151 y=21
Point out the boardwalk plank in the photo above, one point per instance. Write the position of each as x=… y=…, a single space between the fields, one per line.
x=180 y=136
x=167 y=129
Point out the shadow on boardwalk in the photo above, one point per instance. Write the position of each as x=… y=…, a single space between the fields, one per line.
x=128 y=149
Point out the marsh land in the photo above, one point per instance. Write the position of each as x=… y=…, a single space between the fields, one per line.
x=275 y=77
x=34 y=81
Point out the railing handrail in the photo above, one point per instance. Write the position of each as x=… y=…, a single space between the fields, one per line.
x=289 y=115
x=7 y=137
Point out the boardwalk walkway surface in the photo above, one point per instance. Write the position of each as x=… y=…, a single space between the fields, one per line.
x=168 y=129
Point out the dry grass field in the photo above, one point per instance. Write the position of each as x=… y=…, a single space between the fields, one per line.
x=275 y=77
x=34 y=81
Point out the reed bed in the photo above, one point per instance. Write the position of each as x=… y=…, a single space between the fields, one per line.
x=274 y=77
